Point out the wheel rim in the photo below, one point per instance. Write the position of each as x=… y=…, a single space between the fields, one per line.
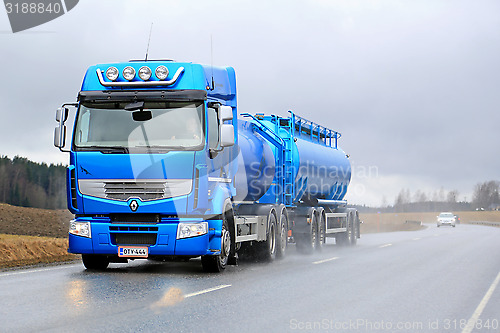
x=272 y=240
x=225 y=244
x=313 y=234
x=349 y=233
x=322 y=230
x=283 y=237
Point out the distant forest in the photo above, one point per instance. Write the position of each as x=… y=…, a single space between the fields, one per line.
x=486 y=196
x=29 y=184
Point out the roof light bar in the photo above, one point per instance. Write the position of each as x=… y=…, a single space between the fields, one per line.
x=112 y=73
x=145 y=73
x=128 y=73
x=161 y=72
x=176 y=76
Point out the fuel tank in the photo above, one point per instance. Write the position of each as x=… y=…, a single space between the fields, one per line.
x=318 y=170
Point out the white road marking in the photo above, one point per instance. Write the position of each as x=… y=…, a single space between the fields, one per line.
x=385 y=245
x=207 y=290
x=416 y=239
x=325 y=260
x=35 y=271
x=475 y=316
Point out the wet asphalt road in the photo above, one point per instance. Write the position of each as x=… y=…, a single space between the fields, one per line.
x=434 y=280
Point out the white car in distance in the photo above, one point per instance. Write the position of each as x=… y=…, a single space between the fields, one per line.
x=446 y=219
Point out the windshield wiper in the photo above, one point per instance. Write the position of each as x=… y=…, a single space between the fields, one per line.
x=106 y=150
x=166 y=148
x=136 y=149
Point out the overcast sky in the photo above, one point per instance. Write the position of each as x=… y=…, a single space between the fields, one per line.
x=413 y=86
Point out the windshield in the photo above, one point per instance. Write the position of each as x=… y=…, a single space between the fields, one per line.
x=446 y=215
x=173 y=126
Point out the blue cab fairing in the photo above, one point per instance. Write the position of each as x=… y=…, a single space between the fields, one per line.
x=92 y=172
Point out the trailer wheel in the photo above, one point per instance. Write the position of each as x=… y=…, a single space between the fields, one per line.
x=217 y=263
x=266 y=250
x=95 y=262
x=282 y=236
x=354 y=230
x=321 y=231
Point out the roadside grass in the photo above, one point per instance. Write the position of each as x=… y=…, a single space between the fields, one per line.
x=18 y=250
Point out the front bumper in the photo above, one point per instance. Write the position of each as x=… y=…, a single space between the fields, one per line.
x=160 y=239
x=440 y=223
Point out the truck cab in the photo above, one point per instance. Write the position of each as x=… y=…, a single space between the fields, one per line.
x=151 y=162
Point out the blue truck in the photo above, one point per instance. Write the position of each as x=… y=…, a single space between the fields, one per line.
x=163 y=166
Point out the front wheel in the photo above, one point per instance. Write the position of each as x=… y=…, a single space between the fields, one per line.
x=217 y=263
x=95 y=262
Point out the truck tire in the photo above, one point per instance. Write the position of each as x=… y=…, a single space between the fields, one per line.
x=95 y=262
x=321 y=231
x=307 y=242
x=266 y=250
x=282 y=234
x=217 y=263
x=353 y=234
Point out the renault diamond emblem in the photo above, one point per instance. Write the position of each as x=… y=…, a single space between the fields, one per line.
x=133 y=205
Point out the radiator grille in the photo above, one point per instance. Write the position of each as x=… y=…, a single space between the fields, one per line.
x=142 y=190
x=135 y=239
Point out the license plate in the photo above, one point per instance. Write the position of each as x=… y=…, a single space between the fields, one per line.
x=132 y=251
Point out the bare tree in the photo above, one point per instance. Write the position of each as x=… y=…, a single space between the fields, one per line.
x=486 y=195
x=441 y=194
x=452 y=196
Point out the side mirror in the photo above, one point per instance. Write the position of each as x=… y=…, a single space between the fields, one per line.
x=60 y=136
x=226 y=135
x=225 y=113
x=62 y=115
x=60 y=131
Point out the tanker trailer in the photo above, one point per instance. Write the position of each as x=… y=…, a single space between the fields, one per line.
x=310 y=174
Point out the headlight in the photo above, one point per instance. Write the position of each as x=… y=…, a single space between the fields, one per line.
x=128 y=73
x=186 y=230
x=80 y=228
x=161 y=72
x=112 y=73
x=144 y=73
